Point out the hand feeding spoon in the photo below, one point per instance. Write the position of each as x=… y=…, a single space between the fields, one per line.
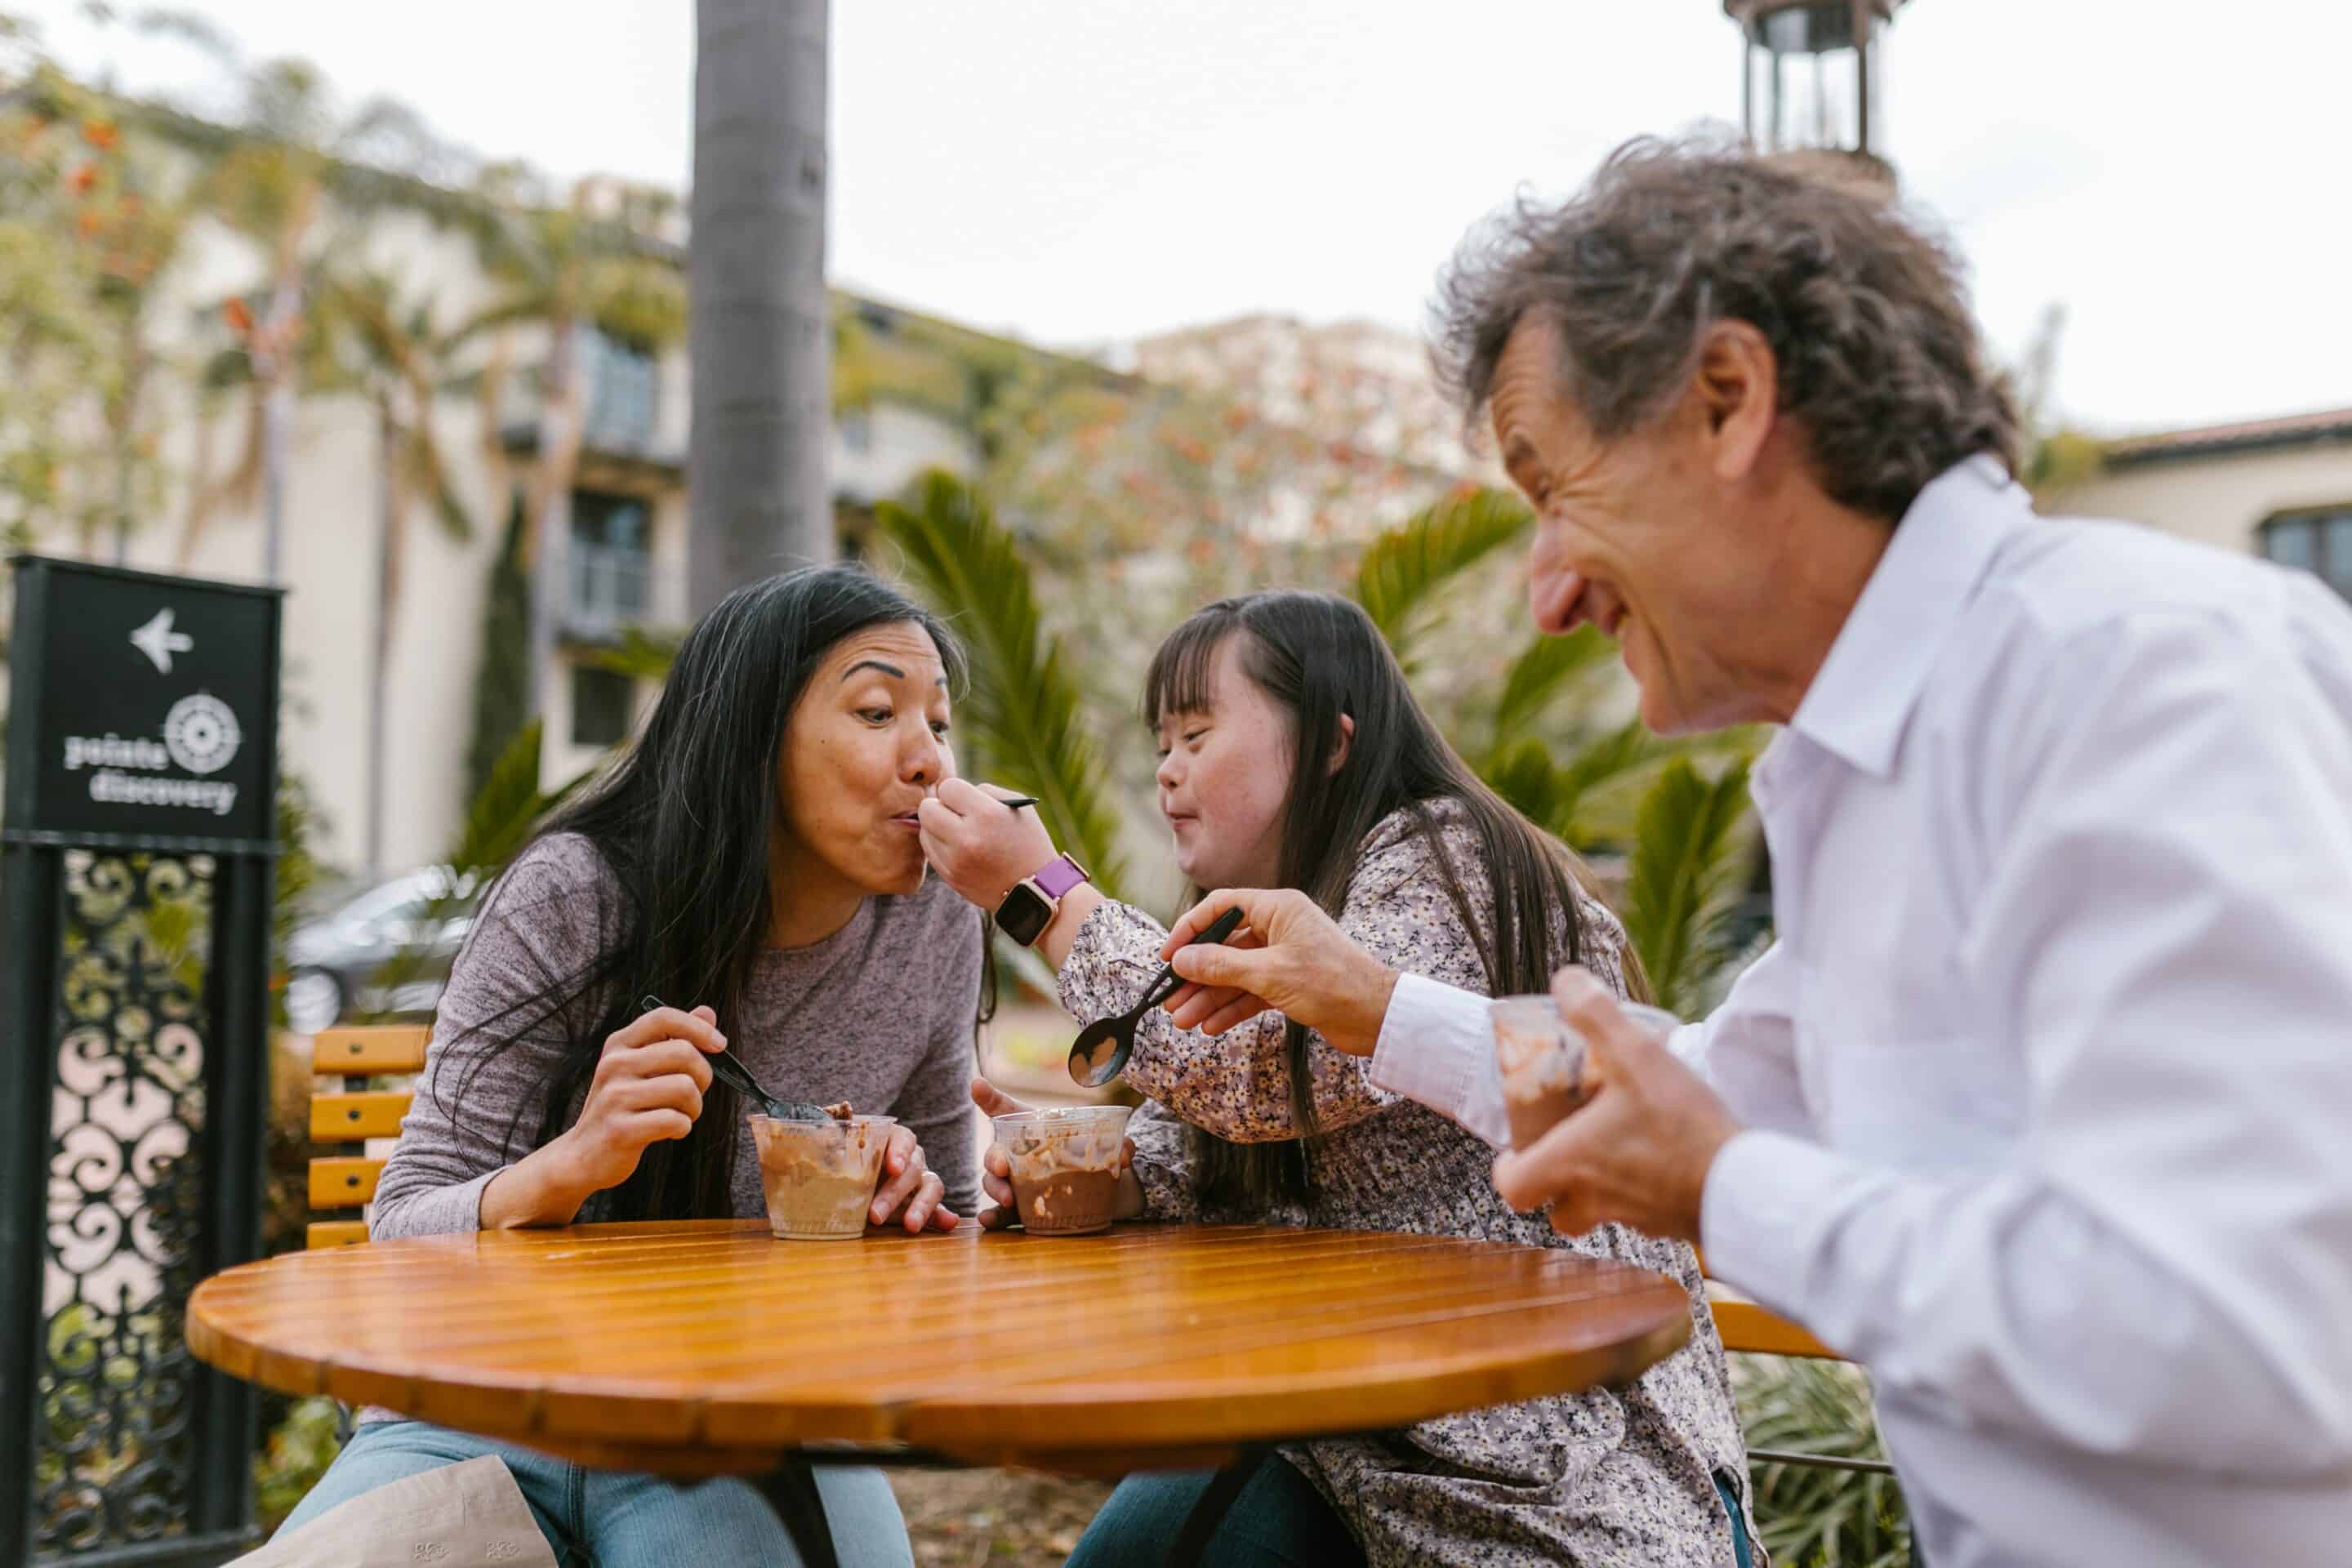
x=1102 y=1051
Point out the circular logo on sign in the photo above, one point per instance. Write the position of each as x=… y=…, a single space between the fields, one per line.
x=201 y=733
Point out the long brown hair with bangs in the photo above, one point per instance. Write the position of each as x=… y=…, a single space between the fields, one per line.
x=1318 y=657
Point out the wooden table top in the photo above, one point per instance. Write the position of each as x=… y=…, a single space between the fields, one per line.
x=708 y=1347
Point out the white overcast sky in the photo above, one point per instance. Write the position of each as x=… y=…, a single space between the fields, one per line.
x=1079 y=170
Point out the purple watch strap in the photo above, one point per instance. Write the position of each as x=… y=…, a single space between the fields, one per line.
x=1058 y=876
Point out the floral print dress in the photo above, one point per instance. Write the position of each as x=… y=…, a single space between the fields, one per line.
x=1622 y=1477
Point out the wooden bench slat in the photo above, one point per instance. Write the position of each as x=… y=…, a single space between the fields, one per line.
x=370 y=1049
x=341 y=1183
x=336 y=1232
x=1745 y=1326
x=343 y=1118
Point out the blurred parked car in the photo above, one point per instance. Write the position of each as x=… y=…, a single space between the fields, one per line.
x=385 y=950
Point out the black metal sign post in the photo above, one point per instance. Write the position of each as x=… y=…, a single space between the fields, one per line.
x=136 y=871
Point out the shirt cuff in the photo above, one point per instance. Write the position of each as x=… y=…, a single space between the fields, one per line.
x=1437 y=1047
x=1767 y=1200
x=1688 y=1045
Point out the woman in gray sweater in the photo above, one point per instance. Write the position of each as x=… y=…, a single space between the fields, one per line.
x=753 y=859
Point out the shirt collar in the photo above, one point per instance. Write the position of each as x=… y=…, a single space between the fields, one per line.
x=1860 y=702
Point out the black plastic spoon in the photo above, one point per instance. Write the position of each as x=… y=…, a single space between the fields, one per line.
x=1102 y=1051
x=724 y=1065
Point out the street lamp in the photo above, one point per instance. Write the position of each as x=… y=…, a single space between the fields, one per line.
x=1810 y=73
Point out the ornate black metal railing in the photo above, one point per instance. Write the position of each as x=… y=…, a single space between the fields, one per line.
x=133 y=1118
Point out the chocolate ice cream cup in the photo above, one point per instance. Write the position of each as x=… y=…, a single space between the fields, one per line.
x=1066 y=1164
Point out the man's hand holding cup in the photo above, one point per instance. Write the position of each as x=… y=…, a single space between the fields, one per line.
x=1638 y=1147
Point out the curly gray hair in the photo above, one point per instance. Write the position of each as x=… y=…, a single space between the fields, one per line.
x=1880 y=360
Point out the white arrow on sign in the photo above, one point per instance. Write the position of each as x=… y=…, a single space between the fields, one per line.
x=159 y=642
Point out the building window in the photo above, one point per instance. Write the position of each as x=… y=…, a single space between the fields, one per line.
x=624 y=383
x=2316 y=541
x=603 y=702
x=611 y=521
x=609 y=567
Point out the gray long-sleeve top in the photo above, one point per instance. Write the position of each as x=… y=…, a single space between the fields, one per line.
x=881 y=1014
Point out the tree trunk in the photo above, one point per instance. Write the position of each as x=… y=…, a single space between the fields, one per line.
x=387 y=594
x=278 y=415
x=276 y=425
x=761 y=329
x=549 y=536
x=121 y=420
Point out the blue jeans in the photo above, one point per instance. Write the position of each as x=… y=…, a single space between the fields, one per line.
x=1279 y=1518
x=609 y=1518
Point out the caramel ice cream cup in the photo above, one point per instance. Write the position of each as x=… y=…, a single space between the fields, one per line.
x=1539 y=1057
x=820 y=1176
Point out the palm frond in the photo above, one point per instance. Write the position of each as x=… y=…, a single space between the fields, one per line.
x=389 y=134
x=509 y=805
x=1618 y=756
x=1808 y=1516
x=516 y=310
x=198 y=31
x=638 y=301
x=1686 y=861
x=1406 y=566
x=1539 y=675
x=1525 y=775
x=430 y=473
x=1553 y=795
x=1023 y=711
x=500 y=820
x=642 y=656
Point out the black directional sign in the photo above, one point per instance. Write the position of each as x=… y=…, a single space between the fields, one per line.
x=140 y=704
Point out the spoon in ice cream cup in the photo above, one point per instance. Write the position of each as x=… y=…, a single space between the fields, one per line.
x=724 y=1065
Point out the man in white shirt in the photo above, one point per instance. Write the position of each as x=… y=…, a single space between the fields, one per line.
x=2041 y=1106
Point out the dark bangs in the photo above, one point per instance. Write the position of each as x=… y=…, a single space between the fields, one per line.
x=1182 y=679
x=954 y=659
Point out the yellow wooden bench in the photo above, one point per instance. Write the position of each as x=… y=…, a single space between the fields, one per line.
x=347 y=1179
x=1745 y=1326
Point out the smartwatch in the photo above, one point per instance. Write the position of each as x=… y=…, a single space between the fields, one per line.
x=1029 y=908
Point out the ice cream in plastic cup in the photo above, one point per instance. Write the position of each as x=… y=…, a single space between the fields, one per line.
x=1540 y=1057
x=1066 y=1164
x=820 y=1176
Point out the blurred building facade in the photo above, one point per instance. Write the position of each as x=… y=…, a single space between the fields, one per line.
x=1348 y=419
x=622 y=564
x=2277 y=488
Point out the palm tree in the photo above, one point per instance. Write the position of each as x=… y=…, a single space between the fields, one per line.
x=762 y=320
x=288 y=153
x=1025 y=713
x=564 y=269
x=396 y=354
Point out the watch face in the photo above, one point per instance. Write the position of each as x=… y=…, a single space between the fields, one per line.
x=1023 y=915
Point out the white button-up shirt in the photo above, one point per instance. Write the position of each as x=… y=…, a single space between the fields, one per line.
x=2048 y=1079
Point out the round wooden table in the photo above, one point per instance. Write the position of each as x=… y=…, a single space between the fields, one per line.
x=707 y=1347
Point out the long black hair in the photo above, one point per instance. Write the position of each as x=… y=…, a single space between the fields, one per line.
x=683 y=819
x=1318 y=657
